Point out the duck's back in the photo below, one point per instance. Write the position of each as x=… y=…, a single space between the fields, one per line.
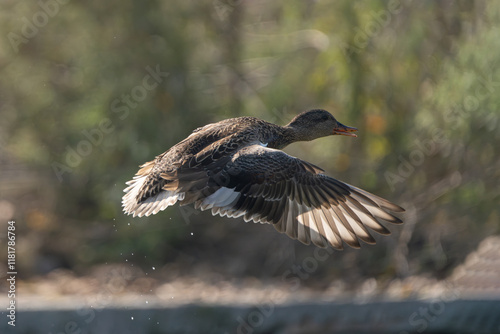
x=203 y=146
x=210 y=134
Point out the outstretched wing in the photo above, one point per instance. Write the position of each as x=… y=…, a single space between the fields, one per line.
x=269 y=186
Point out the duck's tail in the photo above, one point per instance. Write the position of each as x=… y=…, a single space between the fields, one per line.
x=149 y=206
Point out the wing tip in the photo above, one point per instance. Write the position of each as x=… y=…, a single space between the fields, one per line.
x=395 y=208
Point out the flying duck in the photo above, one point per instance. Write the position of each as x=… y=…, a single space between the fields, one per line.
x=236 y=168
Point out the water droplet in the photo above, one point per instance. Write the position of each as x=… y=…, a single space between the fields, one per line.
x=132 y=318
x=192 y=233
x=153 y=268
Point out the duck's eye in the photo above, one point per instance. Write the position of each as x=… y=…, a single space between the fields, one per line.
x=324 y=117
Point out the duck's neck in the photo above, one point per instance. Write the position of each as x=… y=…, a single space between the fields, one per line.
x=285 y=135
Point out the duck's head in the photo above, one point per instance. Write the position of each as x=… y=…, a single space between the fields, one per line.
x=318 y=123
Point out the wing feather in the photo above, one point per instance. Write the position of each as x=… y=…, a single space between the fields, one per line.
x=299 y=200
x=262 y=185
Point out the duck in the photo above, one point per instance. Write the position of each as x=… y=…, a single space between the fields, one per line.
x=236 y=168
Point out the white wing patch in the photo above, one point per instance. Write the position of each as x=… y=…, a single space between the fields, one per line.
x=223 y=197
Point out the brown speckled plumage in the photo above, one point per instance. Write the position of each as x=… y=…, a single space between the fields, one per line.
x=235 y=168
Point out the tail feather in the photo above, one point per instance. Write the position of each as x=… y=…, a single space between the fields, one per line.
x=149 y=206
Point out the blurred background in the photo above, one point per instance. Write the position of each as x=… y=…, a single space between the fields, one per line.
x=90 y=90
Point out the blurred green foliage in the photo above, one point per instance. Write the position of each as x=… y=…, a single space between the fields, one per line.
x=81 y=110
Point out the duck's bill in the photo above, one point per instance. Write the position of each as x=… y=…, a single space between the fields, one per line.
x=344 y=130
